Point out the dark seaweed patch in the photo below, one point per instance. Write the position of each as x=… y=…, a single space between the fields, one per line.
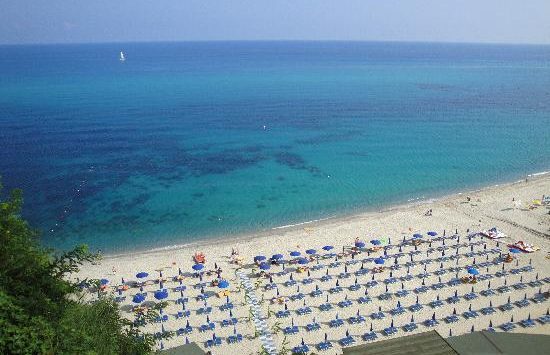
x=294 y=161
x=358 y=154
x=291 y=160
x=432 y=86
x=330 y=137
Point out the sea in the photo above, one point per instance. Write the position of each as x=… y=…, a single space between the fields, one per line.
x=195 y=140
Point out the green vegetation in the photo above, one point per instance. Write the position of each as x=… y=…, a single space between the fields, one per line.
x=41 y=309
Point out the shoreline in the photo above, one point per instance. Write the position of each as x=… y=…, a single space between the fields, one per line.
x=508 y=207
x=205 y=241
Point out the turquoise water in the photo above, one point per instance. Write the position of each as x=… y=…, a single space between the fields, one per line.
x=170 y=145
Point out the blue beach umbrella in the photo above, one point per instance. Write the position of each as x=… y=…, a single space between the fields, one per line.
x=417 y=235
x=302 y=261
x=375 y=242
x=264 y=266
x=161 y=294
x=142 y=275
x=328 y=247
x=259 y=258
x=433 y=234
x=295 y=253
x=223 y=284
x=198 y=267
x=276 y=256
x=359 y=244
x=103 y=282
x=379 y=261
x=311 y=251
x=473 y=271
x=138 y=298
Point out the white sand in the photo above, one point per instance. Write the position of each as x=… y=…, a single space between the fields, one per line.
x=487 y=208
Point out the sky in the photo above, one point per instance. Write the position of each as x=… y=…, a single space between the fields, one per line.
x=79 y=21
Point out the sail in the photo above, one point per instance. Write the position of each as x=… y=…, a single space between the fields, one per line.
x=122 y=56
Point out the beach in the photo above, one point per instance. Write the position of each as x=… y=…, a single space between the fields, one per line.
x=509 y=207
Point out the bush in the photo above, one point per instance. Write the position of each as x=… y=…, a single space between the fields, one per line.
x=41 y=311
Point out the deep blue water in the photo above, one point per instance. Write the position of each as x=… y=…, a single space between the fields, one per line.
x=170 y=145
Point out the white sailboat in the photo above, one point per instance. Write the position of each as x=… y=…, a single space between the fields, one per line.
x=122 y=58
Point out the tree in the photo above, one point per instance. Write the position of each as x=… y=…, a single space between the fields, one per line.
x=41 y=309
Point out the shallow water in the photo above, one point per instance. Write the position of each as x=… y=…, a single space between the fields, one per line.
x=190 y=140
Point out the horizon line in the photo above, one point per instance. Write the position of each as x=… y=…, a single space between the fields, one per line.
x=274 y=40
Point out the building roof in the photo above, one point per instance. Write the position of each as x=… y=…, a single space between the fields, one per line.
x=427 y=343
x=431 y=343
x=187 y=349
x=500 y=343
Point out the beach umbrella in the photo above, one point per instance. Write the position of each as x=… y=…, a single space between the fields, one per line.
x=223 y=284
x=295 y=253
x=432 y=233
x=379 y=261
x=198 y=267
x=328 y=247
x=417 y=235
x=103 y=282
x=259 y=258
x=359 y=244
x=264 y=266
x=302 y=261
x=276 y=256
x=375 y=242
x=161 y=294
x=141 y=275
x=138 y=298
x=473 y=271
x=311 y=251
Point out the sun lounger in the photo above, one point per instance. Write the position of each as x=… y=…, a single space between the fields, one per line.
x=378 y=315
x=291 y=330
x=369 y=336
x=402 y=293
x=301 y=349
x=336 y=323
x=390 y=331
x=229 y=322
x=347 y=341
x=213 y=342
x=470 y=314
x=487 y=311
x=410 y=327
x=523 y=303
x=397 y=311
x=356 y=319
x=364 y=300
x=508 y=326
x=430 y=323
x=325 y=345
x=451 y=319
x=313 y=327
